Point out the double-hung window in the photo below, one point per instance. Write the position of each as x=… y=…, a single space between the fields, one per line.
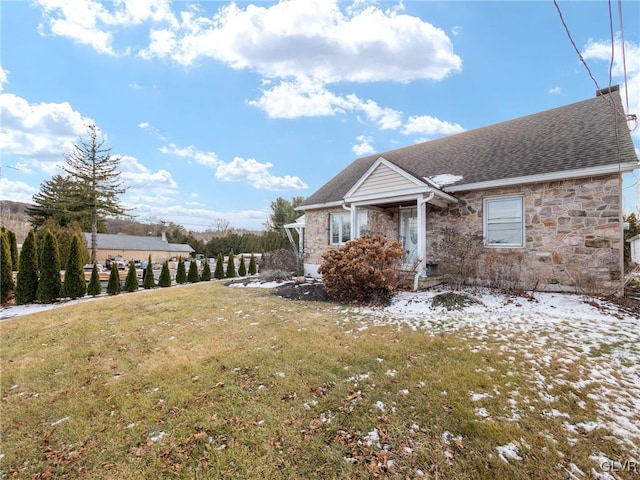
x=504 y=221
x=340 y=227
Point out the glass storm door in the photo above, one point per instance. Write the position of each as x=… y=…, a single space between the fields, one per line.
x=409 y=235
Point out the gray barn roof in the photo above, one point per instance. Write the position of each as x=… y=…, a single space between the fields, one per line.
x=583 y=135
x=107 y=241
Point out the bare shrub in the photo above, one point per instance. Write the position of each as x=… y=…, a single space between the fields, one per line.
x=364 y=270
x=503 y=271
x=277 y=264
x=458 y=256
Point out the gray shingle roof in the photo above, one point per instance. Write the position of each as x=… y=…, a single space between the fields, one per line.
x=109 y=241
x=574 y=137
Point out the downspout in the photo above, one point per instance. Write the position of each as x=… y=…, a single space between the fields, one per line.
x=422 y=238
x=352 y=219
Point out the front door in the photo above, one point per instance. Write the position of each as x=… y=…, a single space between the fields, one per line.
x=409 y=235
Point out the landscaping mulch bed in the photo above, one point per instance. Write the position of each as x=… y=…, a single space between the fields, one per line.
x=313 y=292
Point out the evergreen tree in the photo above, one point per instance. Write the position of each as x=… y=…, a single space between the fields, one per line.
x=206 y=271
x=192 y=275
x=91 y=165
x=49 y=284
x=13 y=248
x=219 y=273
x=181 y=272
x=231 y=266
x=252 y=265
x=74 y=285
x=95 y=287
x=27 y=271
x=6 y=270
x=131 y=282
x=242 y=270
x=64 y=237
x=149 y=281
x=165 y=276
x=113 y=287
x=60 y=199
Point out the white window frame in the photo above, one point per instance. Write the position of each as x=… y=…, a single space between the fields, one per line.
x=488 y=222
x=345 y=218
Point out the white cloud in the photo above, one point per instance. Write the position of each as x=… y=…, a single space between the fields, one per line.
x=308 y=97
x=16 y=191
x=145 y=186
x=143 y=125
x=364 y=147
x=426 y=125
x=555 y=91
x=40 y=133
x=256 y=174
x=311 y=37
x=602 y=51
x=135 y=86
x=456 y=30
x=3 y=77
x=91 y=23
x=250 y=170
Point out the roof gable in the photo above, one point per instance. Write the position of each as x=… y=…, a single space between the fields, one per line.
x=384 y=179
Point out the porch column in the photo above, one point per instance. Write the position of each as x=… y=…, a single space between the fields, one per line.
x=422 y=233
x=355 y=228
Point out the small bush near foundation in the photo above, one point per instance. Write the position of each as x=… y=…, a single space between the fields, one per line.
x=457 y=256
x=450 y=301
x=364 y=270
x=282 y=259
x=503 y=271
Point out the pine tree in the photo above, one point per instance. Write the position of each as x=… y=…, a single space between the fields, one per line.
x=206 y=271
x=219 y=273
x=91 y=165
x=13 y=248
x=95 y=287
x=60 y=199
x=6 y=270
x=252 y=265
x=74 y=285
x=165 y=276
x=181 y=272
x=149 y=280
x=27 y=285
x=113 y=287
x=131 y=282
x=192 y=275
x=242 y=270
x=49 y=284
x=231 y=265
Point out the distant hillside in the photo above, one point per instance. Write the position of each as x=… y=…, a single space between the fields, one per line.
x=13 y=216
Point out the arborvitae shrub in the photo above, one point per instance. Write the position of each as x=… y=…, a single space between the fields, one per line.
x=242 y=270
x=131 y=282
x=13 y=248
x=6 y=270
x=231 y=265
x=149 y=280
x=252 y=265
x=219 y=273
x=95 y=287
x=49 y=284
x=113 y=287
x=27 y=285
x=206 y=271
x=74 y=285
x=364 y=270
x=192 y=276
x=165 y=276
x=181 y=272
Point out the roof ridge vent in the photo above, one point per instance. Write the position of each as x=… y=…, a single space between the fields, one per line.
x=607 y=90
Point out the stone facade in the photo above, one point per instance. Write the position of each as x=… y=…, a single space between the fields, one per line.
x=573 y=230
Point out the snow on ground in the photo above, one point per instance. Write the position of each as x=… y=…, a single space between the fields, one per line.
x=566 y=334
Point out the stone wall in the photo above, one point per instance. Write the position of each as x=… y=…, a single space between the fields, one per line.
x=573 y=231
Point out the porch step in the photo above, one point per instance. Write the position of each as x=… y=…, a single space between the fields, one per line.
x=425 y=283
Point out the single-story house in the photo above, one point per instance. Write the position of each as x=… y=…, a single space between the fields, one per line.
x=137 y=247
x=547 y=185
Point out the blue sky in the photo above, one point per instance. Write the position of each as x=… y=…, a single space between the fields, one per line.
x=216 y=108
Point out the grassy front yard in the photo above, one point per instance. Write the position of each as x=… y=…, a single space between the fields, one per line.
x=206 y=381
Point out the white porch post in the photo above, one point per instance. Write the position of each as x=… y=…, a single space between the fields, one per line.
x=421 y=202
x=355 y=228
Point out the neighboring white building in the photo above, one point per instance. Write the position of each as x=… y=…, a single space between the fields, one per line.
x=635 y=248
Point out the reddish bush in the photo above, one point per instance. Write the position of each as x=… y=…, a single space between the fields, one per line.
x=364 y=270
